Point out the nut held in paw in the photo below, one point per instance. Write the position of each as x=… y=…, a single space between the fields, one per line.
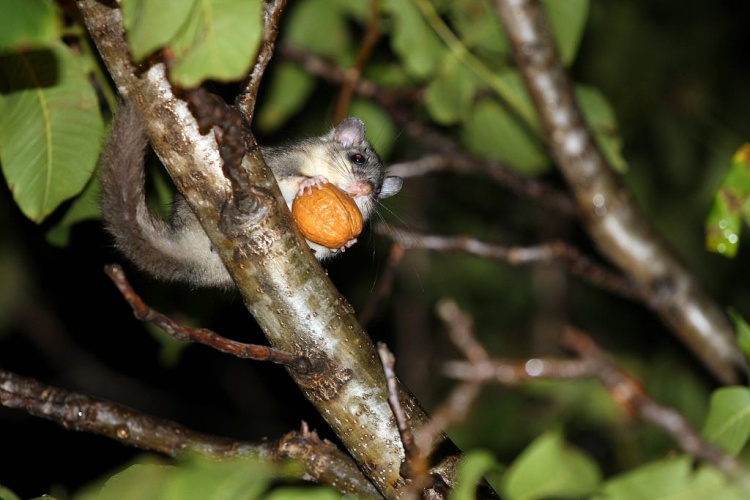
x=327 y=216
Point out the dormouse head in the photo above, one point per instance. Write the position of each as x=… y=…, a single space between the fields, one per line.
x=364 y=162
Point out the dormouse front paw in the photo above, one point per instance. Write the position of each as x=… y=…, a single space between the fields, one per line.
x=305 y=187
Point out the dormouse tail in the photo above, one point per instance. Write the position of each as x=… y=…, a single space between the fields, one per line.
x=160 y=249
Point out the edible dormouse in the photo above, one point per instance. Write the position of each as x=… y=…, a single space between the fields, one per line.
x=179 y=250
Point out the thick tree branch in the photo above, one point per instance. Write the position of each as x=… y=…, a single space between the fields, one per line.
x=612 y=218
x=280 y=282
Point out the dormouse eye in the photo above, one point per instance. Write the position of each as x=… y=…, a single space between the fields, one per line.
x=357 y=158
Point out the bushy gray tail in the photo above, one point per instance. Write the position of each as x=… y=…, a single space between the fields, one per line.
x=164 y=251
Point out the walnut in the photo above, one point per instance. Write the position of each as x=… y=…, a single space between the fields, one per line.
x=327 y=216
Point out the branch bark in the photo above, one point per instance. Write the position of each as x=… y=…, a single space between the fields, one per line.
x=280 y=282
x=324 y=463
x=613 y=220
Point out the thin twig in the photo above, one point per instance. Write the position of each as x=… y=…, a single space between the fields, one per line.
x=513 y=372
x=623 y=388
x=500 y=173
x=204 y=336
x=629 y=393
x=556 y=251
x=415 y=466
x=246 y=99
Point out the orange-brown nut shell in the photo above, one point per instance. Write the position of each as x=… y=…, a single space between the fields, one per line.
x=327 y=216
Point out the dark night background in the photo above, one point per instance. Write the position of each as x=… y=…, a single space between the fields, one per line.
x=676 y=74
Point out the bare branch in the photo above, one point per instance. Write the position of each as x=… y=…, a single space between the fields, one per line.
x=202 y=335
x=415 y=466
x=245 y=102
x=324 y=463
x=503 y=175
x=622 y=387
x=556 y=251
x=613 y=220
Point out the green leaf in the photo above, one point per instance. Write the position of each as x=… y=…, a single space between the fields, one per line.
x=493 y=132
x=6 y=494
x=668 y=479
x=471 y=470
x=601 y=119
x=413 y=40
x=193 y=476
x=219 y=480
x=731 y=202
x=728 y=421
x=551 y=468
x=219 y=41
x=50 y=128
x=137 y=482
x=289 y=87
x=152 y=25
x=320 y=27
x=723 y=224
x=28 y=24
x=568 y=19
x=449 y=95
x=477 y=25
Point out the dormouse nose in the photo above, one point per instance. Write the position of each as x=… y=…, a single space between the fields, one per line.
x=359 y=188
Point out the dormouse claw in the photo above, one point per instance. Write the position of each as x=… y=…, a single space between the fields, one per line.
x=305 y=187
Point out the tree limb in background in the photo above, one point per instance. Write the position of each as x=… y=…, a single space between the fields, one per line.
x=462 y=163
x=612 y=218
x=557 y=251
x=624 y=389
x=323 y=462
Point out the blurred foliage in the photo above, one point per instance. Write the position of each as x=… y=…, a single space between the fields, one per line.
x=731 y=204
x=664 y=85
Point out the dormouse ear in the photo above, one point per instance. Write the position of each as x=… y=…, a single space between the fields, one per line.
x=391 y=185
x=349 y=132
